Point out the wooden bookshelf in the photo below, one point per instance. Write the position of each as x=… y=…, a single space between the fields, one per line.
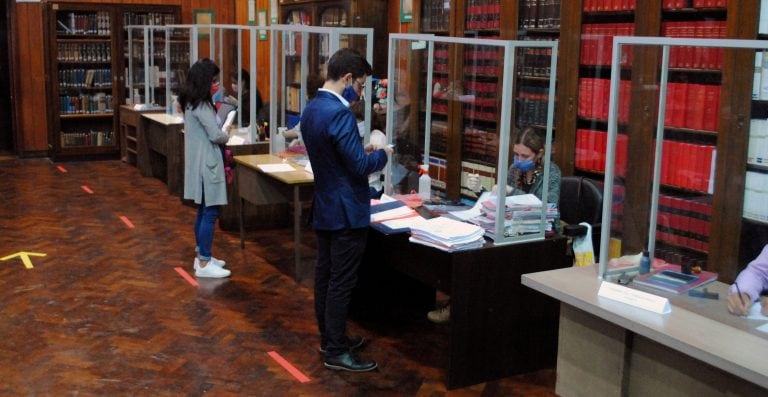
x=85 y=43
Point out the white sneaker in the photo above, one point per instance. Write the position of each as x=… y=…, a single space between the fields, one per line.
x=212 y=271
x=217 y=262
x=213 y=261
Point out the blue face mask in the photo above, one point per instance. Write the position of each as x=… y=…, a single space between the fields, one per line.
x=349 y=94
x=525 y=165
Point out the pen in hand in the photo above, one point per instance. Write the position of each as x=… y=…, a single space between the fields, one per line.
x=738 y=291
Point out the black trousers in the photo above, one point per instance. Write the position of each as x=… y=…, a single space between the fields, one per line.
x=339 y=253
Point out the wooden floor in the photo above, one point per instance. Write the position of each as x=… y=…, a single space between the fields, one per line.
x=107 y=312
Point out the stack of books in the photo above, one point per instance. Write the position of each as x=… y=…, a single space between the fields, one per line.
x=447 y=234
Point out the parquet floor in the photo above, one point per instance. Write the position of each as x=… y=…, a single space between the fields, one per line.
x=106 y=312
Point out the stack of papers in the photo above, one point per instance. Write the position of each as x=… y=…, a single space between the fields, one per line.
x=522 y=215
x=447 y=234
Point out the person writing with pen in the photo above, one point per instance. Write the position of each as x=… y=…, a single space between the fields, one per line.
x=750 y=285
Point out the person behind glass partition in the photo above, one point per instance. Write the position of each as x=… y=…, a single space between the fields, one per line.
x=750 y=286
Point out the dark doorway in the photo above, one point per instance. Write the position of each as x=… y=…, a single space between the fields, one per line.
x=6 y=126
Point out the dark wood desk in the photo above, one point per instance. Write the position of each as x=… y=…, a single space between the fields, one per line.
x=498 y=327
x=161 y=150
x=261 y=188
x=130 y=132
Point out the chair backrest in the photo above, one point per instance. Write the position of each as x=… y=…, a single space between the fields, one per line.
x=581 y=200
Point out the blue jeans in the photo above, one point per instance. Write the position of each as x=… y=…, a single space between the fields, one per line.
x=205 y=224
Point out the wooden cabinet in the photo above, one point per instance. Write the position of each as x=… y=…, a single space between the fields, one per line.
x=86 y=63
x=343 y=13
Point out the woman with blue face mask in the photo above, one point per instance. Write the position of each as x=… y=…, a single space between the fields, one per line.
x=526 y=173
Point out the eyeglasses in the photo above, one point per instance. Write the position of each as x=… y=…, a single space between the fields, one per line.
x=360 y=83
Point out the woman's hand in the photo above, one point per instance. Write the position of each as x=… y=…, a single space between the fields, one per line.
x=739 y=304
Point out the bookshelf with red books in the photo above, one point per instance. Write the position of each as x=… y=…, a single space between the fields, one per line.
x=705 y=125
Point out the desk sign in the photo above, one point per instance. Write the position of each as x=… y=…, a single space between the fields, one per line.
x=633 y=297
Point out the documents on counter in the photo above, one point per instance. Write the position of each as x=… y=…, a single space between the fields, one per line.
x=277 y=167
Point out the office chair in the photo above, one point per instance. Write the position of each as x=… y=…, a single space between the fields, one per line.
x=581 y=200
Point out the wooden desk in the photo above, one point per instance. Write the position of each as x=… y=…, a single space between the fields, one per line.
x=260 y=188
x=607 y=348
x=498 y=327
x=161 y=150
x=130 y=132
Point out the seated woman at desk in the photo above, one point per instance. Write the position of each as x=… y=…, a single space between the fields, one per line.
x=751 y=284
x=525 y=176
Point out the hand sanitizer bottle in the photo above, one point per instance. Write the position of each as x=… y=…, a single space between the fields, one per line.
x=425 y=184
x=645 y=263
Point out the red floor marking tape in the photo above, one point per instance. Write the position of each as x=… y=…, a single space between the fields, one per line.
x=62 y=169
x=87 y=189
x=186 y=276
x=126 y=221
x=288 y=367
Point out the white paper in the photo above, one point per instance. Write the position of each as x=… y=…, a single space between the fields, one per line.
x=403 y=223
x=271 y=168
x=763 y=328
x=473 y=212
x=392 y=213
x=235 y=140
x=633 y=297
x=755 y=312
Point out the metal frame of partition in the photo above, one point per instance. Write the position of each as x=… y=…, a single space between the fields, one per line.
x=277 y=54
x=665 y=43
x=510 y=47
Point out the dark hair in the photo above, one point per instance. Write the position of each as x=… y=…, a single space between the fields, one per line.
x=531 y=138
x=347 y=60
x=379 y=122
x=244 y=76
x=314 y=83
x=198 y=85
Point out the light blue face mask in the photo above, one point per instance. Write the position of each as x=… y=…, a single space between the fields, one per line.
x=525 y=165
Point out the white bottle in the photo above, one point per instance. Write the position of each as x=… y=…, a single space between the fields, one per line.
x=425 y=184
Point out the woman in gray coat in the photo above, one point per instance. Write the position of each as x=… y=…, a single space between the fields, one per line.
x=204 y=180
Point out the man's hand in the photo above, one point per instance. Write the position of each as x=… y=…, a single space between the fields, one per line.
x=369 y=148
x=739 y=304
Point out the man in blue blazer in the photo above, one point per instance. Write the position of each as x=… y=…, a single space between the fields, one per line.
x=341 y=208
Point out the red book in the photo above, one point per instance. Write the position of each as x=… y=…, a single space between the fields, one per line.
x=579 y=154
x=711 y=107
x=601 y=140
x=694 y=108
x=665 y=165
x=591 y=152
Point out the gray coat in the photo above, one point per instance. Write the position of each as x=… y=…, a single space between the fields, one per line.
x=203 y=163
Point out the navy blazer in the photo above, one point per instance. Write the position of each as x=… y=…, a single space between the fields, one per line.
x=339 y=163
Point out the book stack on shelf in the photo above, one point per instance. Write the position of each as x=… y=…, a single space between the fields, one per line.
x=684 y=221
x=597 y=43
x=482 y=14
x=609 y=5
x=695 y=57
x=590 y=151
x=681 y=4
x=758 y=142
x=755 y=196
x=435 y=15
x=90 y=23
x=593 y=98
x=541 y=14
x=687 y=165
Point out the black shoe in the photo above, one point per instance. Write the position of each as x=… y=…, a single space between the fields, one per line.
x=348 y=362
x=353 y=342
